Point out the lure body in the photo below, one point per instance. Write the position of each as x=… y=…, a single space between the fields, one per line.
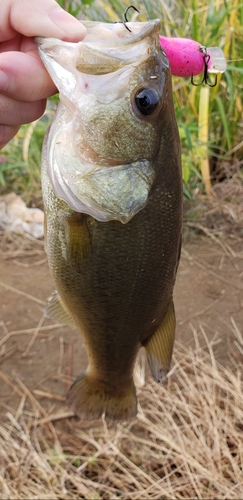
x=187 y=57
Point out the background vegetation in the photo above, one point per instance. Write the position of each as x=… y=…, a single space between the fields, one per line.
x=210 y=22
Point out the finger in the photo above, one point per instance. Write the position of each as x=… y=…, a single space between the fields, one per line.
x=38 y=18
x=7 y=133
x=23 y=77
x=14 y=112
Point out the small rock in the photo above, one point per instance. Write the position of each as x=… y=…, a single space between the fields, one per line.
x=16 y=217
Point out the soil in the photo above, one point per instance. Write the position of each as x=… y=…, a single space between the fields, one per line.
x=40 y=356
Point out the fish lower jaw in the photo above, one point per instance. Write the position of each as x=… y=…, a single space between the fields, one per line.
x=106 y=193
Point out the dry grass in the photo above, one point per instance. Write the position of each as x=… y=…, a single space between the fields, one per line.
x=185 y=443
x=221 y=213
x=13 y=246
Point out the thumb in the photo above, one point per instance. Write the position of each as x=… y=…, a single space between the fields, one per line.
x=40 y=18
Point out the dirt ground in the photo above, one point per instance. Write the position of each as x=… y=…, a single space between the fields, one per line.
x=43 y=357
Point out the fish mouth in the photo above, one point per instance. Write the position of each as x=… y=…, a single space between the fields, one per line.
x=105 y=48
x=99 y=53
x=95 y=73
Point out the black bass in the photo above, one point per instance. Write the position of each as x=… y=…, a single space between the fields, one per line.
x=111 y=178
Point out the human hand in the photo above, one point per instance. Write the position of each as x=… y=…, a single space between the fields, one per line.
x=24 y=82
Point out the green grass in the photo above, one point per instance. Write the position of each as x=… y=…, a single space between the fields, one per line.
x=20 y=169
x=212 y=23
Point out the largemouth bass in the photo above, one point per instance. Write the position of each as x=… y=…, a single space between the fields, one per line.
x=111 y=178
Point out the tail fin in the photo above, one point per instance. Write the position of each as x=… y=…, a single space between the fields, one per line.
x=88 y=398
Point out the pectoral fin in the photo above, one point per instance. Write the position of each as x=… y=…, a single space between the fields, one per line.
x=56 y=310
x=78 y=241
x=79 y=237
x=159 y=346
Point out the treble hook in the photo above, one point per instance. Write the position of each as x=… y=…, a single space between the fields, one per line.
x=125 y=16
x=206 y=59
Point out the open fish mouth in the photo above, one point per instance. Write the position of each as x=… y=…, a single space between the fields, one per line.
x=90 y=154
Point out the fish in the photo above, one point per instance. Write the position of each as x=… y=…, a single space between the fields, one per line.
x=112 y=192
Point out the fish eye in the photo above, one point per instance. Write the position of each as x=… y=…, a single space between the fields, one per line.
x=146 y=101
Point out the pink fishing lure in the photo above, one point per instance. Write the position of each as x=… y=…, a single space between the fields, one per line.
x=187 y=57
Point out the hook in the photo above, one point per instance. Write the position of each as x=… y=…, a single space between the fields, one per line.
x=126 y=11
x=125 y=16
x=206 y=59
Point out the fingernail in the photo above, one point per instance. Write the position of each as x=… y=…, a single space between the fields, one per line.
x=4 y=81
x=67 y=23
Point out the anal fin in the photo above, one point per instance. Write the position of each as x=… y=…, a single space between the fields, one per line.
x=159 y=346
x=56 y=310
